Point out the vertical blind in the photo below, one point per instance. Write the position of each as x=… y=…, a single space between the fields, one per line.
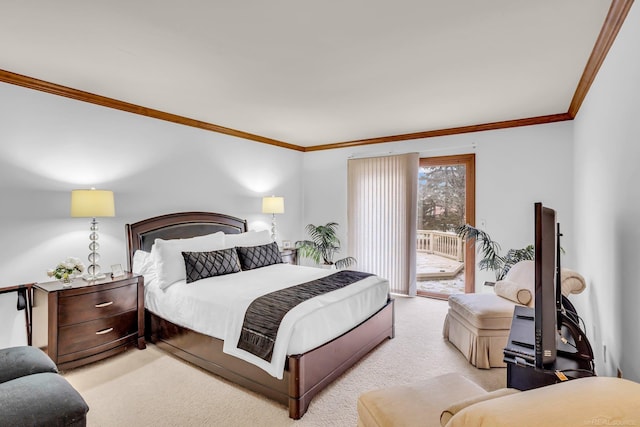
x=381 y=209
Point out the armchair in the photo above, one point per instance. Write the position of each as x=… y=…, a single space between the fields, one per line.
x=478 y=324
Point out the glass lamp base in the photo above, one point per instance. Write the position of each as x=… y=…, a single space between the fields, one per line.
x=91 y=278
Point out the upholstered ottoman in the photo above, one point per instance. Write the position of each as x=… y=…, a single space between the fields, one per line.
x=478 y=325
x=32 y=393
x=417 y=404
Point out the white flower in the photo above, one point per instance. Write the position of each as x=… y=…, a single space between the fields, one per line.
x=69 y=266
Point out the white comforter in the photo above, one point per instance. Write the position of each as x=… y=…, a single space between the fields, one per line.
x=216 y=307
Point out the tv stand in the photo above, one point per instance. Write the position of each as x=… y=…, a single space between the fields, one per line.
x=572 y=359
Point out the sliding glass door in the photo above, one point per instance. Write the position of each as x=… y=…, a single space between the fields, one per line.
x=446 y=200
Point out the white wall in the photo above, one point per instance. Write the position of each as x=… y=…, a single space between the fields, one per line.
x=607 y=208
x=50 y=145
x=13 y=330
x=514 y=169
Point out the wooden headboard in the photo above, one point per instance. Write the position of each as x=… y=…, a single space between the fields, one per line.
x=180 y=225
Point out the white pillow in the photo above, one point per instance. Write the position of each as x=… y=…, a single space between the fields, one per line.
x=142 y=260
x=167 y=255
x=250 y=238
x=144 y=265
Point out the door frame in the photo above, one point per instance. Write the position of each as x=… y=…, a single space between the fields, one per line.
x=469 y=160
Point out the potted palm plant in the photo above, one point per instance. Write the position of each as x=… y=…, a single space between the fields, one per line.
x=490 y=251
x=323 y=245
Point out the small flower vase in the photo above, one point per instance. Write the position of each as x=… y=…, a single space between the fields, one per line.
x=67 y=279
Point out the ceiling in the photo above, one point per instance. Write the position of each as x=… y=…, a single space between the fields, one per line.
x=307 y=74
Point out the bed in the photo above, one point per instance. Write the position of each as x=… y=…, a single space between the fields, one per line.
x=304 y=375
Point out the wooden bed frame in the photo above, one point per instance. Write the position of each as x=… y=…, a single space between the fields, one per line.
x=305 y=374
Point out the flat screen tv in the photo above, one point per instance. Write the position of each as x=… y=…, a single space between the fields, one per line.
x=546 y=303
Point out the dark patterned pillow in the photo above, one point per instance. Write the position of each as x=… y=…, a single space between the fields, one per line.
x=200 y=265
x=259 y=256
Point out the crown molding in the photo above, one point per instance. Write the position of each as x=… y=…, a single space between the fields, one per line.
x=445 y=132
x=613 y=22
x=92 y=98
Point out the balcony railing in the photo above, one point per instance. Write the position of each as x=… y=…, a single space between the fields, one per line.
x=448 y=245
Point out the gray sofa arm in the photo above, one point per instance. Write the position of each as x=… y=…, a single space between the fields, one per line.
x=16 y=362
x=45 y=399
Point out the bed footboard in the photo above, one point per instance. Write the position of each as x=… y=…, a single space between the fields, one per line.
x=305 y=374
x=319 y=367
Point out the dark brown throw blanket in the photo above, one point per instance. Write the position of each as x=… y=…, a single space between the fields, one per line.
x=264 y=315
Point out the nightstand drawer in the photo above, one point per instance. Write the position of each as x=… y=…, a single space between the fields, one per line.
x=85 y=335
x=96 y=305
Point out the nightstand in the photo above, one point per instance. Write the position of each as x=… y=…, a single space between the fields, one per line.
x=88 y=321
x=289 y=255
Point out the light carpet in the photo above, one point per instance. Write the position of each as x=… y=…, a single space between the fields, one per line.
x=151 y=388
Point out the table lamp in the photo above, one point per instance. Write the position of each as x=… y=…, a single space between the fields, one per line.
x=273 y=205
x=92 y=204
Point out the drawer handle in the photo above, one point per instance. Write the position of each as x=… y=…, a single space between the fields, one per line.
x=104 y=331
x=104 y=304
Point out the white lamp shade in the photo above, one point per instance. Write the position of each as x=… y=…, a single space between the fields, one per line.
x=273 y=205
x=92 y=203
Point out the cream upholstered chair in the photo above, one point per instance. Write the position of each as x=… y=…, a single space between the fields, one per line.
x=451 y=400
x=478 y=324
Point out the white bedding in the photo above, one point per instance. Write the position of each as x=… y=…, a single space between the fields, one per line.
x=215 y=306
